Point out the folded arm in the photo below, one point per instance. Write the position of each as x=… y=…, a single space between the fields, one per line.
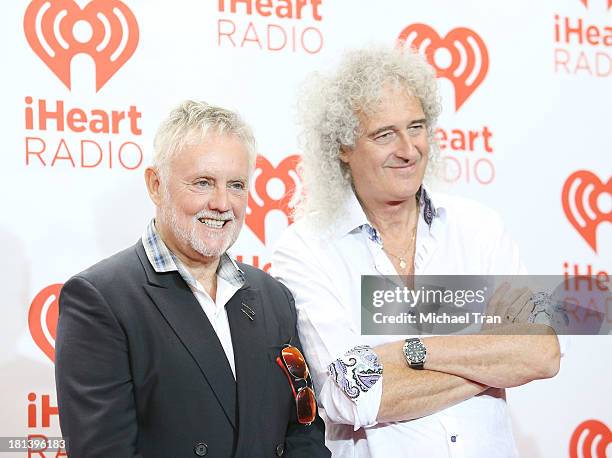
x=459 y=367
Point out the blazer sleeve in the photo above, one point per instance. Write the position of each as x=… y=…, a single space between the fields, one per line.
x=303 y=441
x=93 y=379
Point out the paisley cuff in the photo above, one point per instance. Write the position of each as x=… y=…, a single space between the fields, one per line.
x=356 y=371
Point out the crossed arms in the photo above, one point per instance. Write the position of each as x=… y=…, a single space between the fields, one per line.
x=457 y=367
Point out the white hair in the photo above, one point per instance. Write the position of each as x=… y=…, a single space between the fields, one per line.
x=327 y=116
x=189 y=123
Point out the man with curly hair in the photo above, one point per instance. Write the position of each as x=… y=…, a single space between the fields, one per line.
x=367 y=132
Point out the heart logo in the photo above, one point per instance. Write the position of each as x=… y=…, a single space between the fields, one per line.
x=273 y=190
x=586 y=3
x=42 y=319
x=582 y=198
x=591 y=429
x=467 y=59
x=57 y=30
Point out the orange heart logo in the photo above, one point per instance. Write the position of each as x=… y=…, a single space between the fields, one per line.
x=57 y=30
x=582 y=196
x=42 y=319
x=586 y=3
x=591 y=430
x=469 y=59
x=273 y=190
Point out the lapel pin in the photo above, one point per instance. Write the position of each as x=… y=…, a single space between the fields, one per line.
x=248 y=311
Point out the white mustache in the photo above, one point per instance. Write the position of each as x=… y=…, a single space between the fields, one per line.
x=225 y=216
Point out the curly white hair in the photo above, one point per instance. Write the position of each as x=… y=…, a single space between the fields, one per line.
x=327 y=117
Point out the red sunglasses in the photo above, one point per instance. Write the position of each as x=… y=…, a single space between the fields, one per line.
x=294 y=366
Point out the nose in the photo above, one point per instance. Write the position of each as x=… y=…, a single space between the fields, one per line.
x=219 y=199
x=406 y=148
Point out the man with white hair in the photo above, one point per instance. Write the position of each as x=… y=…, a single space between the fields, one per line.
x=170 y=348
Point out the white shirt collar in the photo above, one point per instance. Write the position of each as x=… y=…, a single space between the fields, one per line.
x=355 y=217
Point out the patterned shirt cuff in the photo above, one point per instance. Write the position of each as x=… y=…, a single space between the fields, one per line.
x=357 y=371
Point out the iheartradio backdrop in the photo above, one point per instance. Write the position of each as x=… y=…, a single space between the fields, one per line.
x=525 y=130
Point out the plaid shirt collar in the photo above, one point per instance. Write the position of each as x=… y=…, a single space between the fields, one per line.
x=163 y=260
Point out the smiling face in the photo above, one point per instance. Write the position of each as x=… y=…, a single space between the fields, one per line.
x=202 y=203
x=389 y=158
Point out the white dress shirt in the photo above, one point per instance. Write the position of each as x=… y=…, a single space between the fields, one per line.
x=323 y=269
x=217 y=313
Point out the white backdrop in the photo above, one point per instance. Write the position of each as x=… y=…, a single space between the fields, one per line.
x=537 y=98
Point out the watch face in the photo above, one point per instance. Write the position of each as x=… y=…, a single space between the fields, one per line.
x=415 y=352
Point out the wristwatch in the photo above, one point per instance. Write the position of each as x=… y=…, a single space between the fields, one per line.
x=415 y=353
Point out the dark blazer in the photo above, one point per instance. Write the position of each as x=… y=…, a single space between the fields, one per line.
x=140 y=370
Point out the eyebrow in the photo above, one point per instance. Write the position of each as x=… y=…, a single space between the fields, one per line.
x=392 y=127
x=212 y=178
x=380 y=130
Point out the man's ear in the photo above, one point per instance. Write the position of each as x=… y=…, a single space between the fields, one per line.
x=345 y=153
x=152 y=180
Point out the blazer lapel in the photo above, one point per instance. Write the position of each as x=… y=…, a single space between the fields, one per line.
x=250 y=356
x=184 y=314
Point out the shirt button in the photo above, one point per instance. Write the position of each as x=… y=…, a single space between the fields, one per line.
x=200 y=449
x=453 y=438
x=280 y=450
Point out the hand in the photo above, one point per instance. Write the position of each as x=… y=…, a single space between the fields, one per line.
x=511 y=305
